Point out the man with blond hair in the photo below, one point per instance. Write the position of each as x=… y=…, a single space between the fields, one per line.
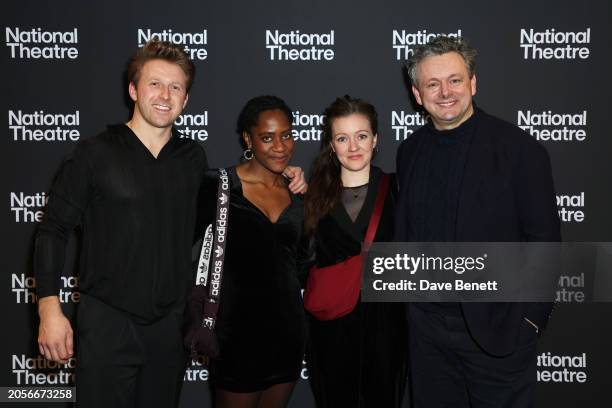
x=132 y=189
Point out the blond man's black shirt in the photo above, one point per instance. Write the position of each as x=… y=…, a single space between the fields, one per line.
x=137 y=216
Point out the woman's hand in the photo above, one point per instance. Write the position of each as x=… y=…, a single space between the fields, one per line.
x=298 y=183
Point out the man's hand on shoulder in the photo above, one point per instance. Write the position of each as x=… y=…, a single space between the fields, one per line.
x=54 y=332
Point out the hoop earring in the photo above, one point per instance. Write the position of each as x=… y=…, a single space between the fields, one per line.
x=247 y=154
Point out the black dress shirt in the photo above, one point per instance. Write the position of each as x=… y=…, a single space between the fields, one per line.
x=137 y=215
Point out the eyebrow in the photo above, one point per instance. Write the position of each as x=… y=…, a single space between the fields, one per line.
x=449 y=76
x=156 y=78
x=360 y=130
x=271 y=133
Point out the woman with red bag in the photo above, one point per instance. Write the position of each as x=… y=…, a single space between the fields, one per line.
x=357 y=351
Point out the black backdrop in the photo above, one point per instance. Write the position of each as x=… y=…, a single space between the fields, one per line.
x=542 y=64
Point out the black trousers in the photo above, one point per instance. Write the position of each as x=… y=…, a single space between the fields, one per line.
x=448 y=368
x=123 y=364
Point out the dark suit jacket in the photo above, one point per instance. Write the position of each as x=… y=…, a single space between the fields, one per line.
x=507 y=195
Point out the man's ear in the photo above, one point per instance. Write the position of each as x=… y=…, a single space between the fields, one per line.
x=185 y=101
x=417 y=95
x=473 y=84
x=132 y=91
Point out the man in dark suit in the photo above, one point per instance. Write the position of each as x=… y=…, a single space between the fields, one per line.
x=468 y=176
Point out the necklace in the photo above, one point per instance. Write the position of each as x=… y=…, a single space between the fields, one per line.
x=356 y=191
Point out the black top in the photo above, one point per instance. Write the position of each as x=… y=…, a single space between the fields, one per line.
x=137 y=215
x=352 y=199
x=337 y=237
x=437 y=181
x=357 y=359
x=260 y=326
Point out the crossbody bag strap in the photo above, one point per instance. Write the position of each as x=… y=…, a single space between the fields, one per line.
x=210 y=271
x=383 y=187
x=221 y=226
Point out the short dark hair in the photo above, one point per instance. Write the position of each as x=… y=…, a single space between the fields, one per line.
x=249 y=115
x=161 y=50
x=438 y=46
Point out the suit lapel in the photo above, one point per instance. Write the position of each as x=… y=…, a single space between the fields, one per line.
x=406 y=167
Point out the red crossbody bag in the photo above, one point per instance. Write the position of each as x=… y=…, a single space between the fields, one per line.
x=333 y=291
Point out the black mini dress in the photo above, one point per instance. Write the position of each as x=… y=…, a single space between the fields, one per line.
x=261 y=321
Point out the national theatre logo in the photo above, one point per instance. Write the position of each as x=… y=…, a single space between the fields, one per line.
x=193 y=125
x=298 y=46
x=403 y=123
x=307 y=127
x=38 y=370
x=571 y=207
x=404 y=41
x=571 y=289
x=554 y=127
x=27 y=208
x=41 y=126
x=24 y=289
x=552 y=44
x=36 y=43
x=194 y=43
x=562 y=368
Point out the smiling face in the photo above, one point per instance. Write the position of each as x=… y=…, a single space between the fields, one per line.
x=445 y=90
x=271 y=140
x=353 y=141
x=160 y=94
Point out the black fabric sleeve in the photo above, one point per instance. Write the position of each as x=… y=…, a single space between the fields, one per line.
x=393 y=187
x=305 y=258
x=207 y=202
x=68 y=199
x=205 y=213
x=399 y=162
x=536 y=196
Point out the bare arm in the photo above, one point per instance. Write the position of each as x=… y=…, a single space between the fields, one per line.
x=54 y=332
